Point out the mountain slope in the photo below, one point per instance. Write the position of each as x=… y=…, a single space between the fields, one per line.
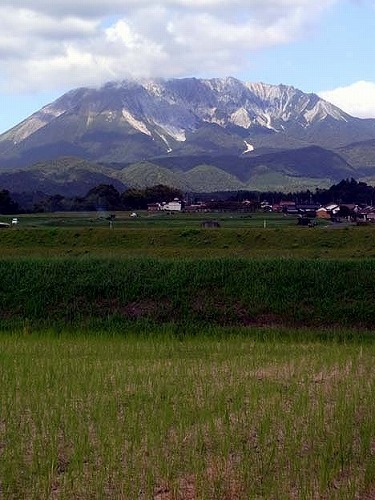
x=275 y=171
x=359 y=154
x=65 y=176
x=208 y=178
x=162 y=129
x=136 y=120
x=146 y=174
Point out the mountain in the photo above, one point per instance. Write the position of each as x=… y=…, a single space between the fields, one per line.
x=66 y=176
x=288 y=170
x=181 y=124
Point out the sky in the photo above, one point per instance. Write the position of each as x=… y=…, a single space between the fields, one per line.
x=48 y=47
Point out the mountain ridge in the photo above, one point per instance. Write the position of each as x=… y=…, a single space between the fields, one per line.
x=163 y=121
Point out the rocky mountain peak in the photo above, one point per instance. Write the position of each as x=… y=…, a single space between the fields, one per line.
x=139 y=119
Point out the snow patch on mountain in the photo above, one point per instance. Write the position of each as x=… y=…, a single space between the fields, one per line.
x=35 y=122
x=28 y=129
x=110 y=116
x=90 y=119
x=265 y=120
x=222 y=85
x=249 y=147
x=241 y=118
x=322 y=110
x=218 y=121
x=177 y=133
x=164 y=139
x=137 y=124
x=153 y=88
x=288 y=103
x=165 y=129
x=268 y=92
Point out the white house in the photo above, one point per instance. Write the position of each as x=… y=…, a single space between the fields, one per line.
x=172 y=206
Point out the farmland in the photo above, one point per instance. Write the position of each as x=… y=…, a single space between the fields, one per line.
x=161 y=360
x=238 y=417
x=181 y=235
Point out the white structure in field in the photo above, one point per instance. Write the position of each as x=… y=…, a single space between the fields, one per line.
x=172 y=206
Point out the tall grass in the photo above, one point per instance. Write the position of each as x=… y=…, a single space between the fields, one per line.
x=157 y=417
x=190 y=241
x=233 y=292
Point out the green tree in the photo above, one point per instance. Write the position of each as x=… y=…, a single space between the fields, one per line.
x=103 y=197
x=160 y=193
x=7 y=205
x=134 y=199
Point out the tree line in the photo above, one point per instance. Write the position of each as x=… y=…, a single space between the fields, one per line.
x=104 y=197
x=347 y=191
x=108 y=198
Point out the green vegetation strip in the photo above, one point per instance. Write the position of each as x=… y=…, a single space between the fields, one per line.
x=112 y=293
x=157 y=417
x=239 y=239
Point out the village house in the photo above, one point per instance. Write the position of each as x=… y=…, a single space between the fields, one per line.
x=308 y=209
x=284 y=206
x=328 y=211
x=172 y=206
x=366 y=214
x=196 y=207
x=154 y=207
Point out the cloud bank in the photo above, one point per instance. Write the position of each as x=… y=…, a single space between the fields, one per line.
x=357 y=99
x=48 y=44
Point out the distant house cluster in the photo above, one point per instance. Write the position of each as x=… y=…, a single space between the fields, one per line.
x=333 y=212
x=171 y=206
x=209 y=206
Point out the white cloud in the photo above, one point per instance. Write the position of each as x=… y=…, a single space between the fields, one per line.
x=49 y=43
x=357 y=99
x=99 y=8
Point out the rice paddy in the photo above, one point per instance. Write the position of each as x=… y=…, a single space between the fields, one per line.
x=205 y=417
x=174 y=362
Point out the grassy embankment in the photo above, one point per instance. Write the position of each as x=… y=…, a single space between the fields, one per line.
x=187 y=294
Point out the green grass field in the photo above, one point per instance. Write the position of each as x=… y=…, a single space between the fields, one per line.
x=159 y=360
x=207 y=417
x=149 y=220
x=181 y=235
